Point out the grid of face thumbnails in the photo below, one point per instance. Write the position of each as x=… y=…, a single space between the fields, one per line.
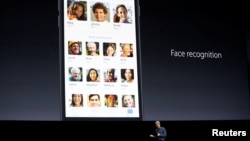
x=101 y=74
x=120 y=11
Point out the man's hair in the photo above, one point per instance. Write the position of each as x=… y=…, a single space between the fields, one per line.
x=75 y=70
x=157 y=122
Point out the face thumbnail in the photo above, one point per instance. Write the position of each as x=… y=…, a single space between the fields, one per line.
x=122 y=13
x=79 y=11
x=110 y=51
x=92 y=49
x=100 y=15
x=93 y=75
x=75 y=74
x=128 y=101
x=94 y=101
x=75 y=48
x=111 y=100
x=77 y=100
x=110 y=74
x=128 y=74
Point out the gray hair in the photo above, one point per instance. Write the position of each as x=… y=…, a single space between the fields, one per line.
x=157 y=122
x=75 y=70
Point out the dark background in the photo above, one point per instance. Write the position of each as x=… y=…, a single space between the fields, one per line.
x=191 y=88
x=183 y=93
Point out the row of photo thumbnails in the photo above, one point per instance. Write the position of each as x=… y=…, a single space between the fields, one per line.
x=110 y=100
x=100 y=12
x=93 y=49
x=93 y=75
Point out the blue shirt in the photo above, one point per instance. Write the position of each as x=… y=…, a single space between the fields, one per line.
x=163 y=133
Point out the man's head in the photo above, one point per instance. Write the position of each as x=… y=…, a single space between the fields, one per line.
x=110 y=74
x=75 y=73
x=158 y=124
x=75 y=48
x=92 y=48
x=94 y=100
x=111 y=100
x=100 y=11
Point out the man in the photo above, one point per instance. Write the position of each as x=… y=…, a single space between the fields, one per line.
x=110 y=76
x=160 y=132
x=94 y=100
x=100 y=11
x=74 y=48
x=75 y=74
x=111 y=100
x=92 y=49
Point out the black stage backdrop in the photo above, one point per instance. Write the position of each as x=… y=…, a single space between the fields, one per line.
x=29 y=62
x=117 y=130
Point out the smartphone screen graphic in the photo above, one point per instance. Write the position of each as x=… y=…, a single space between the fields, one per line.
x=100 y=59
